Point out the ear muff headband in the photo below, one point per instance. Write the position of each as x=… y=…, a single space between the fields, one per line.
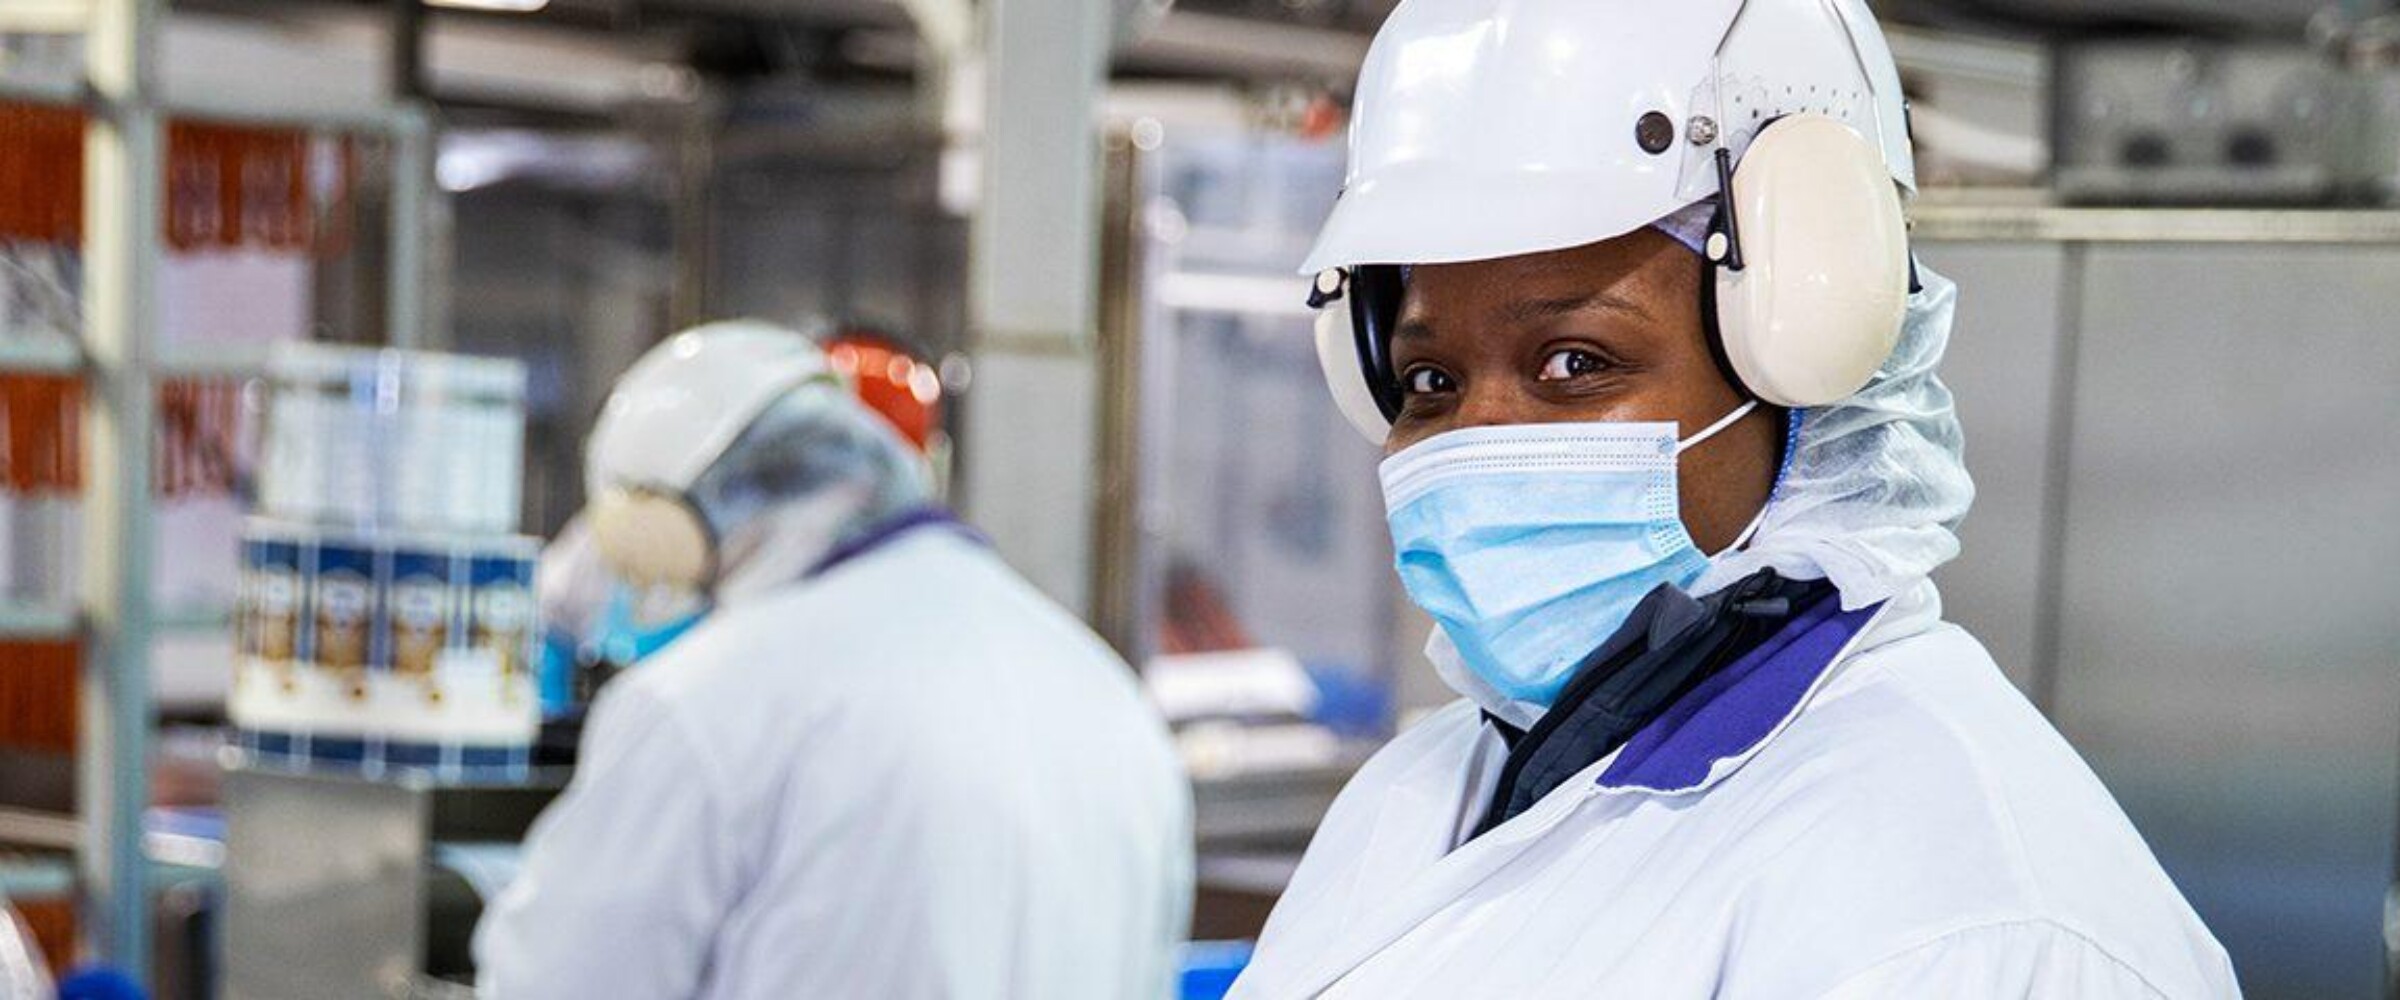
x=1711 y=331
x=1375 y=292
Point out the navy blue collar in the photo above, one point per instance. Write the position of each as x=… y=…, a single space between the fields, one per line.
x=1725 y=720
x=890 y=529
x=1667 y=648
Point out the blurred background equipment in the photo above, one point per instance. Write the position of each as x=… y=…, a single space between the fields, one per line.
x=386 y=618
x=892 y=381
x=2192 y=122
x=2134 y=561
x=1245 y=565
x=903 y=384
x=384 y=699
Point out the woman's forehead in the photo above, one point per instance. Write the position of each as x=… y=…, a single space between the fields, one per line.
x=1642 y=272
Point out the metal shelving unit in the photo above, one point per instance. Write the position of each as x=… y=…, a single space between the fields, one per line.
x=121 y=359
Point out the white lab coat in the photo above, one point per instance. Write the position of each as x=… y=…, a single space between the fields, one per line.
x=911 y=777
x=1910 y=828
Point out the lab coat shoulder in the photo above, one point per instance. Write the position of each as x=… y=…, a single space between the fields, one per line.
x=1383 y=803
x=1930 y=825
x=921 y=681
x=651 y=800
x=2032 y=958
x=872 y=648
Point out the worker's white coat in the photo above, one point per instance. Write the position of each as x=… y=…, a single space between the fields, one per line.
x=911 y=777
x=1907 y=827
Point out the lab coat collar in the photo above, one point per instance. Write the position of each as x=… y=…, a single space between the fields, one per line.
x=1424 y=865
x=885 y=531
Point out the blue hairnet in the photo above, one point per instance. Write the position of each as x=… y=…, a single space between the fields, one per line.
x=815 y=469
x=1876 y=483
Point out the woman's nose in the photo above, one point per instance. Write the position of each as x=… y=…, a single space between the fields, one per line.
x=1491 y=403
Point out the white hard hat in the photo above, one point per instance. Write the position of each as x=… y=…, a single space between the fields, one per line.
x=669 y=419
x=1494 y=128
x=684 y=402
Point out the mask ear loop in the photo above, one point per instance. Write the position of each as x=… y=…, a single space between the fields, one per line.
x=1791 y=436
x=1711 y=430
x=1747 y=533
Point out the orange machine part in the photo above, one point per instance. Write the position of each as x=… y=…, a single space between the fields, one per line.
x=892 y=382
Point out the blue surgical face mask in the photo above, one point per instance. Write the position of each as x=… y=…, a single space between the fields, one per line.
x=1530 y=544
x=631 y=628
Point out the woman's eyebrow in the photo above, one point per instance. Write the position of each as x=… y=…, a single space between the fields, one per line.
x=1536 y=310
x=1533 y=310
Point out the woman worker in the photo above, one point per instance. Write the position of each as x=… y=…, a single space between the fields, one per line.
x=1625 y=289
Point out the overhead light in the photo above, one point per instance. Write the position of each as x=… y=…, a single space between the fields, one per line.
x=504 y=6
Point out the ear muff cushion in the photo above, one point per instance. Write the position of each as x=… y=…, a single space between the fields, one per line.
x=1819 y=303
x=653 y=539
x=1337 y=355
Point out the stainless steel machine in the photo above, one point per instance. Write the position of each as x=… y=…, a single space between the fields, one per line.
x=342 y=886
x=2184 y=545
x=2191 y=122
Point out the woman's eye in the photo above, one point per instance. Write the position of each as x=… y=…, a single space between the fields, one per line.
x=1569 y=363
x=1424 y=381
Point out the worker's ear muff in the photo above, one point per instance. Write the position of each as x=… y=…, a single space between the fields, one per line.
x=654 y=538
x=1354 y=344
x=1808 y=265
x=1807 y=285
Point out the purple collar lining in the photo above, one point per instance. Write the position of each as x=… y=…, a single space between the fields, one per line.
x=891 y=528
x=1733 y=712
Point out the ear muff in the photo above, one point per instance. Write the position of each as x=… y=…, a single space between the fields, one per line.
x=1811 y=275
x=1354 y=342
x=654 y=538
x=1337 y=354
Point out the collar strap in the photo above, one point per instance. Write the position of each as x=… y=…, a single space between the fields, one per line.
x=889 y=529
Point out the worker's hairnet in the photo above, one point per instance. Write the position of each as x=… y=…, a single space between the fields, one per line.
x=815 y=469
x=1689 y=225
x=1873 y=485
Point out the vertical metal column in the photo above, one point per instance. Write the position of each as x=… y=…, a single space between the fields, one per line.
x=412 y=199
x=123 y=203
x=1119 y=593
x=693 y=129
x=1032 y=447
x=2049 y=620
